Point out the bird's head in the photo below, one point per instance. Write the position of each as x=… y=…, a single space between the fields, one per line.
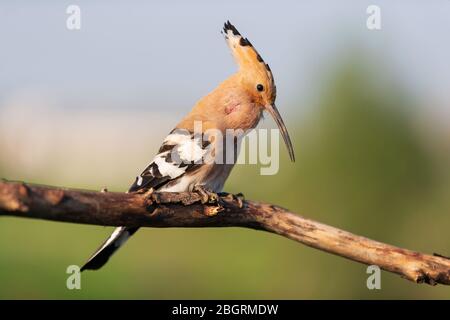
x=256 y=78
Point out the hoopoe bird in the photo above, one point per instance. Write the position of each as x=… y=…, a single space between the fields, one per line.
x=237 y=103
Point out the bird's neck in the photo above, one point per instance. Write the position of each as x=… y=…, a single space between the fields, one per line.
x=229 y=106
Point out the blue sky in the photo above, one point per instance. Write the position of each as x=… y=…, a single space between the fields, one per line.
x=136 y=54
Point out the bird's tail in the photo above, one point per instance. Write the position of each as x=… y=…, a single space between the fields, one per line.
x=107 y=249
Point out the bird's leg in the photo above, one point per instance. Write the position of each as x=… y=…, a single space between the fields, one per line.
x=206 y=196
x=238 y=197
x=209 y=197
x=149 y=192
x=151 y=195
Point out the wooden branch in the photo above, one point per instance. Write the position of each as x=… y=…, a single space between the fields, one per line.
x=186 y=210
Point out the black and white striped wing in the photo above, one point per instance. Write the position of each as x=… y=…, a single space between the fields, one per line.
x=181 y=152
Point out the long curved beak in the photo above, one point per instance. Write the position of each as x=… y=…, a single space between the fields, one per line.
x=272 y=109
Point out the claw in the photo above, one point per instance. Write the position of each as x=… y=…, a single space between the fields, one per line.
x=149 y=192
x=227 y=196
x=202 y=193
x=239 y=198
x=206 y=196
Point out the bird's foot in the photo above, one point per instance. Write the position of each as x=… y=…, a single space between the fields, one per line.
x=149 y=192
x=206 y=196
x=209 y=197
x=146 y=192
x=238 y=197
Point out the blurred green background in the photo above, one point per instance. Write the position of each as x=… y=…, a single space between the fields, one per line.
x=373 y=156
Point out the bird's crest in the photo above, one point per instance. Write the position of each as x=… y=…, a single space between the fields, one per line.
x=246 y=56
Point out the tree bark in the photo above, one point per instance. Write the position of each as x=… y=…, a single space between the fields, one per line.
x=164 y=210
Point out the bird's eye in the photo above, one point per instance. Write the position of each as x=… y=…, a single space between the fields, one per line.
x=260 y=87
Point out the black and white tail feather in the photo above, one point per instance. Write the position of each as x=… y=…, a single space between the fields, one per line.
x=172 y=169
